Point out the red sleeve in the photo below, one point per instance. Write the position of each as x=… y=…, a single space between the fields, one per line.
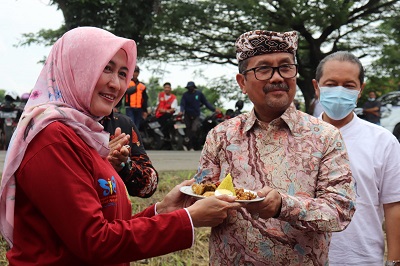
x=58 y=180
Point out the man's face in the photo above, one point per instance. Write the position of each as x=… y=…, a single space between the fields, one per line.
x=371 y=95
x=167 y=89
x=339 y=73
x=270 y=97
x=135 y=74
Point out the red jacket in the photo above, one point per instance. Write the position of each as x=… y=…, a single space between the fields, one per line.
x=73 y=209
x=163 y=103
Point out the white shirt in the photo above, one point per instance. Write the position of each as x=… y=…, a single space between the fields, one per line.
x=374 y=155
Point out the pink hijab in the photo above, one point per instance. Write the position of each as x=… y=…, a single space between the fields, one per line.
x=62 y=93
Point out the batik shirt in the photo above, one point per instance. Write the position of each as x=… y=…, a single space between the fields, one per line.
x=305 y=160
x=139 y=175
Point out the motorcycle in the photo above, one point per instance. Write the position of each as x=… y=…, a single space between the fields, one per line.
x=9 y=115
x=207 y=123
x=174 y=133
x=152 y=136
x=238 y=110
x=214 y=119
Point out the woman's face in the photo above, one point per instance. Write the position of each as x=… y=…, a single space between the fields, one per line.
x=111 y=85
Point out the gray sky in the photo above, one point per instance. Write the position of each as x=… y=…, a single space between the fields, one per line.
x=19 y=68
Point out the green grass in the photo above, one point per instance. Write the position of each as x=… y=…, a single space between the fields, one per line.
x=195 y=256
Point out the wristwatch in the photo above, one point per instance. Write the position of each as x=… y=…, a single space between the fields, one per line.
x=392 y=263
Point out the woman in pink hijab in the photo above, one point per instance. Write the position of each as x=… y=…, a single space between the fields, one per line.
x=62 y=203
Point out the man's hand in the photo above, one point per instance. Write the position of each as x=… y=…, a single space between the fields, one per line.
x=267 y=208
x=119 y=153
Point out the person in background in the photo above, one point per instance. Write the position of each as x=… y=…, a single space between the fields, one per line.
x=296 y=161
x=372 y=109
x=167 y=104
x=297 y=104
x=191 y=102
x=136 y=99
x=315 y=107
x=132 y=164
x=61 y=201
x=374 y=160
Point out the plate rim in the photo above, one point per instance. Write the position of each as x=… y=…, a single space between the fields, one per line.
x=192 y=194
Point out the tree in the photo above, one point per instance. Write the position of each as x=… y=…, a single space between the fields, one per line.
x=205 y=30
x=384 y=73
x=126 y=18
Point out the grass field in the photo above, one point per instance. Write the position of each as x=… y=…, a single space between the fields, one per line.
x=196 y=256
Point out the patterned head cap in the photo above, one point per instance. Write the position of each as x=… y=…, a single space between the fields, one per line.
x=260 y=42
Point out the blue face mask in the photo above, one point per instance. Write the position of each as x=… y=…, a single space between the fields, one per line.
x=338 y=102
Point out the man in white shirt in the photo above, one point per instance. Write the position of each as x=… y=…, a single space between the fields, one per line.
x=375 y=164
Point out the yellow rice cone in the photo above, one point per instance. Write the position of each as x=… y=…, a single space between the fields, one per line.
x=227 y=184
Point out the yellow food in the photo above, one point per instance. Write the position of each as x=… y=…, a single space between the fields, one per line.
x=225 y=187
x=227 y=184
x=221 y=191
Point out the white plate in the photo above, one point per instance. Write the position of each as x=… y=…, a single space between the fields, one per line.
x=188 y=191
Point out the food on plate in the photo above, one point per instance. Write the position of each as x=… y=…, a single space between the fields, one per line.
x=223 y=191
x=244 y=195
x=200 y=189
x=225 y=187
x=209 y=193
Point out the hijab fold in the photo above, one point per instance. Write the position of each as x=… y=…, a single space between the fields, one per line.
x=63 y=93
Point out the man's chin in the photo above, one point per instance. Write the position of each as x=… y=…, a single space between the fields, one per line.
x=278 y=102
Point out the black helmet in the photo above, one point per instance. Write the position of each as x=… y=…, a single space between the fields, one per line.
x=239 y=104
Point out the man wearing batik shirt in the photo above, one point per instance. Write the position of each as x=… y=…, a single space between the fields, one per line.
x=297 y=162
x=135 y=169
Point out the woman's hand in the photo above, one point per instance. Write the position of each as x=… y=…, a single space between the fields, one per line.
x=175 y=199
x=119 y=153
x=212 y=211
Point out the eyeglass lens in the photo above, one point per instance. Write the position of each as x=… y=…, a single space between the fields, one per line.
x=266 y=72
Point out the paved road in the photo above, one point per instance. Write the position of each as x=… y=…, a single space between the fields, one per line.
x=162 y=160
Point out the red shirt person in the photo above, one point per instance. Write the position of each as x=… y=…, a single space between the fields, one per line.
x=167 y=102
x=61 y=201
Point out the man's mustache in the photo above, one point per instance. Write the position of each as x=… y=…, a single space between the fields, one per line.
x=276 y=87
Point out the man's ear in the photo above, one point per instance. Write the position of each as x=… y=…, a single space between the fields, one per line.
x=361 y=91
x=316 y=88
x=240 y=79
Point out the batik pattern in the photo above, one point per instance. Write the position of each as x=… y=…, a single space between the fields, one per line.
x=305 y=160
x=260 y=42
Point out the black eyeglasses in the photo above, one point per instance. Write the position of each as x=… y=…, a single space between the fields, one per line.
x=266 y=72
